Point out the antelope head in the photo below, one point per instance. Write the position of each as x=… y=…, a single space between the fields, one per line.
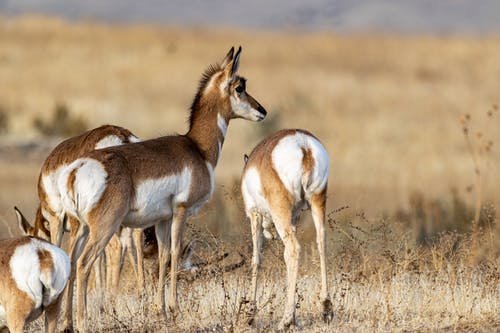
x=221 y=86
x=39 y=230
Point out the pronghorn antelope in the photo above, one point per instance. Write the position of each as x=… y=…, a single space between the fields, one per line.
x=50 y=218
x=33 y=274
x=284 y=174
x=157 y=182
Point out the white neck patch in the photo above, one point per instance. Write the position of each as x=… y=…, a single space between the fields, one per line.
x=221 y=122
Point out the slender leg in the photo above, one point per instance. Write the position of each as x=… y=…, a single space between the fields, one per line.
x=283 y=222
x=78 y=238
x=114 y=256
x=318 y=203
x=56 y=226
x=162 y=231
x=137 y=257
x=15 y=321
x=178 y=223
x=99 y=268
x=256 y=224
x=52 y=314
x=97 y=240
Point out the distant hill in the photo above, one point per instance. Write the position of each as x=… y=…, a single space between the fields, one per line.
x=402 y=16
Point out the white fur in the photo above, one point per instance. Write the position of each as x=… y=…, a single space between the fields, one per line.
x=244 y=110
x=287 y=160
x=90 y=183
x=26 y=272
x=50 y=180
x=108 y=141
x=221 y=122
x=134 y=139
x=252 y=192
x=3 y=321
x=154 y=198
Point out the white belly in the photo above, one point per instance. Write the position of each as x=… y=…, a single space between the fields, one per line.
x=155 y=198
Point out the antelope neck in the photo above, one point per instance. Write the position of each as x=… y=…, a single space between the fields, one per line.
x=208 y=132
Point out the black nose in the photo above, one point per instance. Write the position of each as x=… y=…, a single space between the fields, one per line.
x=262 y=110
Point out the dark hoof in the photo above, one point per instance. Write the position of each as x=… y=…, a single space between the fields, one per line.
x=68 y=330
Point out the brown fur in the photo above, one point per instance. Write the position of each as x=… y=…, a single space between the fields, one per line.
x=46 y=262
x=17 y=304
x=127 y=166
x=285 y=210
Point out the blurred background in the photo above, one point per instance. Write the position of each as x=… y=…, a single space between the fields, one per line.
x=403 y=94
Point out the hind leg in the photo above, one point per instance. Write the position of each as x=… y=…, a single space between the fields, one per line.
x=162 y=231
x=256 y=225
x=96 y=243
x=318 y=203
x=283 y=222
x=52 y=315
x=78 y=238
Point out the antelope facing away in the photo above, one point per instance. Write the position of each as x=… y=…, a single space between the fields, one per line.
x=50 y=210
x=284 y=174
x=157 y=182
x=33 y=274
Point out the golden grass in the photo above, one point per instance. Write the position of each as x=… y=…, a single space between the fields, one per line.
x=380 y=280
x=386 y=107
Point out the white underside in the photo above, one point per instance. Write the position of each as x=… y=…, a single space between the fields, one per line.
x=155 y=198
x=25 y=269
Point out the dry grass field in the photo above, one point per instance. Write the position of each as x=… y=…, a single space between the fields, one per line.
x=391 y=111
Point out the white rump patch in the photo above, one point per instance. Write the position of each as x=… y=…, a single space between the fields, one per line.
x=287 y=160
x=26 y=272
x=134 y=139
x=109 y=141
x=90 y=183
x=49 y=183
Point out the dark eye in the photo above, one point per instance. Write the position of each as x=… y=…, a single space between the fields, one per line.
x=240 y=89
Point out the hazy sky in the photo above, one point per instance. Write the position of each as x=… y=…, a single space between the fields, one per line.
x=430 y=16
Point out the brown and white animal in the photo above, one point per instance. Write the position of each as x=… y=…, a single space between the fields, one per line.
x=33 y=274
x=284 y=174
x=157 y=182
x=50 y=219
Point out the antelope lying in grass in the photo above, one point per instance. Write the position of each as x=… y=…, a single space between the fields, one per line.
x=33 y=274
x=51 y=214
x=157 y=182
x=284 y=174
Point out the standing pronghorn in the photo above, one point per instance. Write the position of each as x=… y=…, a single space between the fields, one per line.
x=33 y=274
x=284 y=174
x=157 y=182
x=50 y=209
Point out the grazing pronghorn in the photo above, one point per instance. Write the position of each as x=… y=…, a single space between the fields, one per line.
x=157 y=182
x=50 y=210
x=284 y=174
x=33 y=274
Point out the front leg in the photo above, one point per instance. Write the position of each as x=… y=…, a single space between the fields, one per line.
x=162 y=231
x=178 y=221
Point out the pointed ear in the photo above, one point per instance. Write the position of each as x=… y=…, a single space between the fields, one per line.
x=227 y=59
x=23 y=224
x=236 y=61
x=232 y=67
